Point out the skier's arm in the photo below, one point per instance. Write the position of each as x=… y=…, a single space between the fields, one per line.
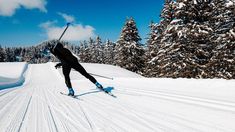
x=58 y=65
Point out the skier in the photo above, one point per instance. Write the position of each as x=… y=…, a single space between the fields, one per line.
x=68 y=61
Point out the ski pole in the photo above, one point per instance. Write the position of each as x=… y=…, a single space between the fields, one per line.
x=101 y=76
x=62 y=34
x=64 y=31
x=98 y=75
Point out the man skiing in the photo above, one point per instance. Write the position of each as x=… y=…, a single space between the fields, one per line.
x=69 y=61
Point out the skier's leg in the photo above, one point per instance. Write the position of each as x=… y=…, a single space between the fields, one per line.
x=78 y=67
x=66 y=71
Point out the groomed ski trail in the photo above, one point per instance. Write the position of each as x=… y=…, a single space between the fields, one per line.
x=38 y=106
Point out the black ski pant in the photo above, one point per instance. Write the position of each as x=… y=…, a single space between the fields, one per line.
x=78 y=67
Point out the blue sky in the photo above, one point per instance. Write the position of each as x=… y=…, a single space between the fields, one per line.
x=28 y=23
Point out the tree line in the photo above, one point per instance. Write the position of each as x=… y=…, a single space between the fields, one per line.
x=194 y=39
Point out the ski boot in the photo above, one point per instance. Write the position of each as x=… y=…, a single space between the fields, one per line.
x=99 y=86
x=71 y=92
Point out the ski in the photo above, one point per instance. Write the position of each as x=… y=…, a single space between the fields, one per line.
x=67 y=95
x=108 y=91
x=75 y=96
x=111 y=94
x=105 y=90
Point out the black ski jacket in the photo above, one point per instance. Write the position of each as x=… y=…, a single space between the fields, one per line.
x=63 y=54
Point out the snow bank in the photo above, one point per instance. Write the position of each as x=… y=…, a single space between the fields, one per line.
x=12 y=74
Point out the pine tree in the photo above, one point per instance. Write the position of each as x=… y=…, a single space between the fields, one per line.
x=109 y=52
x=223 y=60
x=186 y=47
x=88 y=51
x=152 y=48
x=99 y=50
x=156 y=35
x=10 y=57
x=82 y=53
x=93 y=51
x=2 y=54
x=128 y=50
x=198 y=42
x=167 y=15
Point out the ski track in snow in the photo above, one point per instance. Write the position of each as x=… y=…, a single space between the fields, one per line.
x=38 y=106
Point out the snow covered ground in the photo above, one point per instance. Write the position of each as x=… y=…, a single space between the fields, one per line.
x=142 y=104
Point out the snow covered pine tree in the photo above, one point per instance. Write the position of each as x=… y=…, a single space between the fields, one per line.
x=154 y=41
x=128 y=50
x=199 y=41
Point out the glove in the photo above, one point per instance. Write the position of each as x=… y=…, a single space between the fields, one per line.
x=58 y=65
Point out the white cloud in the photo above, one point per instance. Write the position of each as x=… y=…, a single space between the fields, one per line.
x=75 y=32
x=47 y=25
x=68 y=18
x=9 y=7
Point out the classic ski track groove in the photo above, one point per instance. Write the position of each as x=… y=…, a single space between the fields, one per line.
x=174 y=98
x=220 y=105
x=26 y=110
x=86 y=117
x=133 y=112
x=61 y=112
x=119 y=106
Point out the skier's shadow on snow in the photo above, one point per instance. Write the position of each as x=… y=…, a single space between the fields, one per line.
x=109 y=89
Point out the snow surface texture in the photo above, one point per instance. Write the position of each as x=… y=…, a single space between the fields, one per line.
x=12 y=74
x=142 y=104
